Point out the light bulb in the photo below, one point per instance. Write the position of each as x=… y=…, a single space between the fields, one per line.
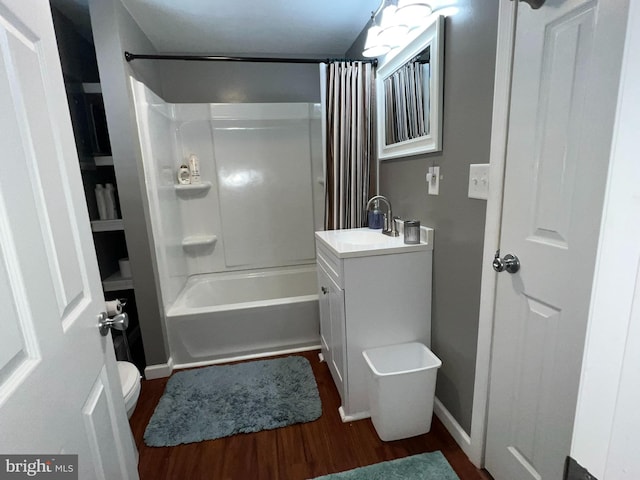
x=373 y=46
x=393 y=29
x=394 y=35
x=388 y=17
x=376 y=51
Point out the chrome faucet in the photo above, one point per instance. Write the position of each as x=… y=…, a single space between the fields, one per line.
x=389 y=223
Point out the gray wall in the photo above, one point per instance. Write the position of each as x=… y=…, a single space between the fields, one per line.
x=355 y=50
x=115 y=31
x=469 y=61
x=232 y=82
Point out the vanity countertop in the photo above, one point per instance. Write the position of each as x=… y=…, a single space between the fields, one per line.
x=363 y=242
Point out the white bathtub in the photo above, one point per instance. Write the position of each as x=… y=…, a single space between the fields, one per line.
x=228 y=316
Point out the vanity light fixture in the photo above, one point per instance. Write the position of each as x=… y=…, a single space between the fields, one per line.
x=393 y=28
x=373 y=47
x=413 y=12
x=396 y=18
x=409 y=9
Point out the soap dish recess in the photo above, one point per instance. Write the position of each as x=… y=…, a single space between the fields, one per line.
x=199 y=241
x=192 y=187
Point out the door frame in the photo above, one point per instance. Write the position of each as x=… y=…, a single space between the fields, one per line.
x=609 y=392
x=507 y=12
x=617 y=246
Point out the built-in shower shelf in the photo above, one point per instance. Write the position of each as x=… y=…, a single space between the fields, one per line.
x=95 y=88
x=103 y=160
x=193 y=187
x=117 y=282
x=107 y=225
x=199 y=241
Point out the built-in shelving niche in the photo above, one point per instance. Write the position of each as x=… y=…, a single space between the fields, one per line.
x=88 y=119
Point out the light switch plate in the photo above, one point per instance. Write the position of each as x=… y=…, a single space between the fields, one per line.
x=433 y=180
x=479 y=181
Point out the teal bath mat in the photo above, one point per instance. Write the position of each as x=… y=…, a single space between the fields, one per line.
x=219 y=401
x=426 y=466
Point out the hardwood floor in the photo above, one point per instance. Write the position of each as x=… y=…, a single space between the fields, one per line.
x=297 y=452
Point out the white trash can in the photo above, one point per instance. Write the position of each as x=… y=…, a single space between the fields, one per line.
x=402 y=386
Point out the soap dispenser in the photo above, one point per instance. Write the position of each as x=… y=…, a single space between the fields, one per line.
x=194 y=168
x=375 y=217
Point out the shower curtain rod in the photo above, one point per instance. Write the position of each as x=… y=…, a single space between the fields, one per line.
x=215 y=58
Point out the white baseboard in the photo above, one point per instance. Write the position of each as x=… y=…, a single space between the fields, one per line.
x=161 y=370
x=453 y=427
x=352 y=418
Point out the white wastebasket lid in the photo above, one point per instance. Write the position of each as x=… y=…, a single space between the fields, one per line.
x=400 y=359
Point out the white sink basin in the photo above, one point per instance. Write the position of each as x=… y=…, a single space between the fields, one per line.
x=363 y=237
x=362 y=242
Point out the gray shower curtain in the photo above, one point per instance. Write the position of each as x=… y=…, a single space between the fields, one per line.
x=350 y=143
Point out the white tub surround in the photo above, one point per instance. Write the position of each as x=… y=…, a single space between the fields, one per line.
x=258 y=201
x=227 y=316
x=373 y=291
x=235 y=253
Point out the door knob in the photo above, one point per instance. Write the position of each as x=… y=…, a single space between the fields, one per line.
x=534 y=4
x=325 y=290
x=510 y=263
x=119 y=322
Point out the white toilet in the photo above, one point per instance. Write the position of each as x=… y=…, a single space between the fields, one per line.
x=130 y=381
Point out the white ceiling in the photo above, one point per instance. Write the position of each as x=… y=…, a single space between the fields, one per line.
x=250 y=27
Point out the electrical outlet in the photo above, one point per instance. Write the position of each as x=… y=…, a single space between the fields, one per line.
x=479 y=181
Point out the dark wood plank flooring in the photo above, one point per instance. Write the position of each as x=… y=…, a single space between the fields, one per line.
x=296 y=452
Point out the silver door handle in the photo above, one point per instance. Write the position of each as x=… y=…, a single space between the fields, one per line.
x=510 y=263
x=119 y=322
x=534 y=4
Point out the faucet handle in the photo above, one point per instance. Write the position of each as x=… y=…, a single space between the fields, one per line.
x=390 y=226
x=399 y=224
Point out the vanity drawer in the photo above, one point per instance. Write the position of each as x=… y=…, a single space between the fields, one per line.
x=331 y=263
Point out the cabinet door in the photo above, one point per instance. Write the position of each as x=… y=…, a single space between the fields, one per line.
x=324 y=283
x=337 y=343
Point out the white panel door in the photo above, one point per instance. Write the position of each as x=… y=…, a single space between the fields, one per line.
x=59 y=387
x=565 y=78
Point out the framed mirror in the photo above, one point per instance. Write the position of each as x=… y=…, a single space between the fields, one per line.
x=409 y=96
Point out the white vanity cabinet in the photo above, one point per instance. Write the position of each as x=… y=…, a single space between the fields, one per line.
x=373 y=291
x=332 y=325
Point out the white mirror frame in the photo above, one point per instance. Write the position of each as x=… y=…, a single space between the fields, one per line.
x=433 y=36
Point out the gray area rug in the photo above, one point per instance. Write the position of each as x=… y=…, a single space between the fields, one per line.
x=426 y=466
x=219 y=401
